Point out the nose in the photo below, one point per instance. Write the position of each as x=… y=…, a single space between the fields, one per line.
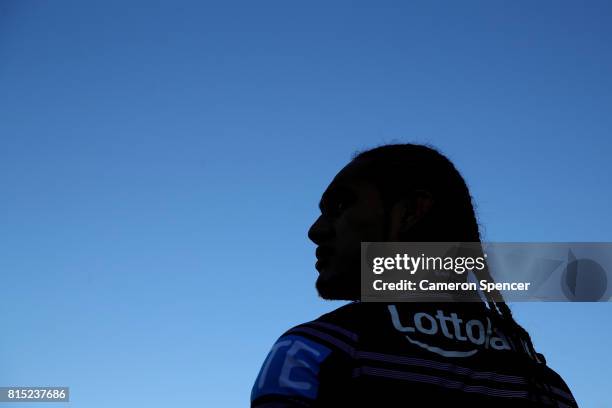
x=321 y=231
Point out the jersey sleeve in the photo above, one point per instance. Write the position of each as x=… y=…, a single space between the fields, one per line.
x=289 y=376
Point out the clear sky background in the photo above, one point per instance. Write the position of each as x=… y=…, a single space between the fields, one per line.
x=161 y=162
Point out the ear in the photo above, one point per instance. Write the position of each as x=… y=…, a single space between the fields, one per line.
x=422 y=202
x=407 y=211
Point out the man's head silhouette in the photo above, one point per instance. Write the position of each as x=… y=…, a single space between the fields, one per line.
x=368 y=353
x=401 y=192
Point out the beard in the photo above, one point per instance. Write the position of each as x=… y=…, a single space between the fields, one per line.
x=343 y=285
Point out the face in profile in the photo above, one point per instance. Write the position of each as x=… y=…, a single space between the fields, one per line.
x=351 y=213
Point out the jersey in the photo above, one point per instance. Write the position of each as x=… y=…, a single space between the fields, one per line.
x=409 y=355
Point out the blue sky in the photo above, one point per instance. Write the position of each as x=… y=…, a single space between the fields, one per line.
x=161 y=163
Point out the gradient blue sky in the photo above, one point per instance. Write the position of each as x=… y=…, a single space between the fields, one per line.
x=151 y=152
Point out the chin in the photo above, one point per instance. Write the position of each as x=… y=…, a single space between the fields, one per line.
x=336 y=289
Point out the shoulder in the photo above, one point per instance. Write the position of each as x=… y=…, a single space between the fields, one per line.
x=303 y=356
x=557 y=388
x=339 y=328
x=336 y=331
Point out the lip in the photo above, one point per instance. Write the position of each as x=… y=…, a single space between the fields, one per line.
x=323 y=252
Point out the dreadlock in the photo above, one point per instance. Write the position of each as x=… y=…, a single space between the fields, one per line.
x=400 y=169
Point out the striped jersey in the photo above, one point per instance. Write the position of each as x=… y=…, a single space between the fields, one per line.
x=406 y=354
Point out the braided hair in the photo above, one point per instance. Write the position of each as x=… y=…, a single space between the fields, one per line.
x=398 y=170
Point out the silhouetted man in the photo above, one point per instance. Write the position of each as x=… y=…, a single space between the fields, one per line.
x=404 y=354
